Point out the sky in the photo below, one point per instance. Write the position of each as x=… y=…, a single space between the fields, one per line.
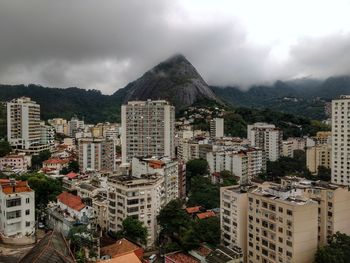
x=105 y=44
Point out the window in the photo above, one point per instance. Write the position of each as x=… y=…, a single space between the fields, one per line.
x=13 y=214
x=27 y=224
x=289 y=212
x=27 y=200
x=13 y=202
x=27 y=212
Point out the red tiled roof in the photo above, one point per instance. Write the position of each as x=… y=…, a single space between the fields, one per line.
x=19 y=187
x=179 y=257
x=203 y=251
x=120 y=247
x=71 y=200
x=194 y=209
x=71 y=175
x=125 y=258
x=56 y=161
x=206 y=214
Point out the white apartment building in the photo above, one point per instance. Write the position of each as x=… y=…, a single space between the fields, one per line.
x=47 y=135
x=217 y=128
x=189 y=149
x=341 y=140
x=96 y=154
x=140 y=198
x=267 y=137
x=75 y=125
x=17 y=217
x=148 y=129
x=23 y=123
x=163 y=166
x=233 y=161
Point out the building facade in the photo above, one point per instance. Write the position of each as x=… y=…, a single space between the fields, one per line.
x=148 y=129
x=341 y=140
x=217 y=128
x=17 y=217
x=23 y=123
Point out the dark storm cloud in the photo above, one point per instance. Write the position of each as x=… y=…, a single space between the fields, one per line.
x=104 y=44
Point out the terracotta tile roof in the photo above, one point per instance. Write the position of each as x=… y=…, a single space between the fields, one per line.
x=19 y=187
x=194 y=209
x=206 y=214
x=203 y=251
x=55 y=161
x=120 y=247
x=71 y=200
x=125 y=258
x=179 y=257
x=71 y=175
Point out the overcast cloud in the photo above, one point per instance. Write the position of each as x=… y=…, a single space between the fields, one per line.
x=104 y=44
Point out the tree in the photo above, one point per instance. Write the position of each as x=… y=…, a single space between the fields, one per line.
x=197 y=167
x=134 y=230
x=172 y=218
x=337 y=251
x=208 y=230
x=73 y=166
x=228 y=178
x=37 y=160
x=5 y=148
x=324 y=173
x=46 y=189
x=194 y=168
x=204 y=193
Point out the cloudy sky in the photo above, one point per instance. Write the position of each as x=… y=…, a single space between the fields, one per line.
x=104 y=44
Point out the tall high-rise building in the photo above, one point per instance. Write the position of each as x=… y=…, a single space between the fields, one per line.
x=148 y=129
x=341 y=140
x=267 y=137
x=217 y=128
x=23 y=123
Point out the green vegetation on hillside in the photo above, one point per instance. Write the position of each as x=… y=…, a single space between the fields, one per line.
x=338 y=250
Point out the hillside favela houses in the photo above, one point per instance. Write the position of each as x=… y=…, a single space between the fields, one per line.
x=173 y=183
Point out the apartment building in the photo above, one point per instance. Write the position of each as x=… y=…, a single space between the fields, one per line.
x=140 y=198
x=60 y=125
x=17 y=217
x=287 y=149
x=233 y=161
x=14 y=163
x=163 y=166
x=267 y=137
x=233 y=216
x=189 y=149
x=318 y=155
x=23 y=123
x=282 y=226
x=96 y=154
x=217 y=128
x=333 y=205
x=341 y=140
x=47 y=135
x=74 y=126
x=148 y=129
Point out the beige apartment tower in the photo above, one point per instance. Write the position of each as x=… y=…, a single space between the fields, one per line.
x=341 y=140
x=147 y=129
x=282 y=226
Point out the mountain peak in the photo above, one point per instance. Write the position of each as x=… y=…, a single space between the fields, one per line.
x=174 y=79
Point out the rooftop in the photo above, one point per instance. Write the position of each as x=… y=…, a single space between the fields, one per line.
x=71 y=200
x=206 y=214
x=51 y=248
x=180 y=257
x=194 y=209
x=125 y=258
x=11 y=187
x=120 y=247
